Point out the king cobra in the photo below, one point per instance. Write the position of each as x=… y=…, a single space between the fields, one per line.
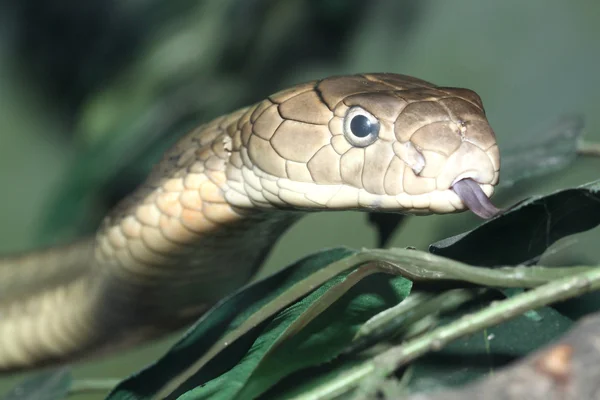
x=210 y=211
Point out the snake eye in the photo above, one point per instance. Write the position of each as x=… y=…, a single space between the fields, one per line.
x=361 y=128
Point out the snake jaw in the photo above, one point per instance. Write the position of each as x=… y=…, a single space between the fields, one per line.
x=474 y=198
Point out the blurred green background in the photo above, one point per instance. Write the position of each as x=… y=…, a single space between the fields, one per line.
x=91 y=92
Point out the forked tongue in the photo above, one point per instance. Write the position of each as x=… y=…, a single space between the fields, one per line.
x=473 y=197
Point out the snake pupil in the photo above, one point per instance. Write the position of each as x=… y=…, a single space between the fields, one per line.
x=361 y=126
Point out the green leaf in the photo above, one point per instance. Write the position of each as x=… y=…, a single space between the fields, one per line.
x=228 y=351
x=275 y=354
x=231 y=313
x=522 y=233
x=49 y=385
x=460 y=362
x=479 y=355
x=548 y=151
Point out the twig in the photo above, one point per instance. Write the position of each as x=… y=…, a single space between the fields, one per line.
x=386 y=317
x=566 y=369
x=92 y=385
x=374 y=371
x=396 y=320
x=412 y=264
x=422 y=266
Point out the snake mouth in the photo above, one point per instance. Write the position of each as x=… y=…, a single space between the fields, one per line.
x=474 y=198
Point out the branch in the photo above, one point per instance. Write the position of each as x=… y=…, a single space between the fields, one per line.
x=372 y=374
x=566 y=370
x=81 y=386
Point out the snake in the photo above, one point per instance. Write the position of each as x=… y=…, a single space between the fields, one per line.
x=210 y=211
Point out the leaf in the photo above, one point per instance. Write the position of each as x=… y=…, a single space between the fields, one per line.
x=548 y=151
x=228 y=315
x=232 y=330
x=460 y=362
x=525 y=231
x=277 y=352
x=49 y=385
x=479 y=355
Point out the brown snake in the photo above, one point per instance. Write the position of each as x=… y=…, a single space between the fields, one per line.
x=203 y=221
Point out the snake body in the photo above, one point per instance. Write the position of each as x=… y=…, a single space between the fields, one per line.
x=212 y=208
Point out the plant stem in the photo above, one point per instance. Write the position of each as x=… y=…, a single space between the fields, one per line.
x=421 y=266
x=92 y=385
x=397 y=320
x=385 y=318
x=374 y=371
x=411 y=264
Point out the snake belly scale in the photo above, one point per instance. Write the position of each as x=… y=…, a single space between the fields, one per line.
x=213 y=207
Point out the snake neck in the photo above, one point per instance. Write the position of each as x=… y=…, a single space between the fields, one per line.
x=177 y=240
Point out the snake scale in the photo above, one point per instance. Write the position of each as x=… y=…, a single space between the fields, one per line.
x=212 y=208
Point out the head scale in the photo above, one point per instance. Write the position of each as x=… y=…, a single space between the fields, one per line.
x=377 y=141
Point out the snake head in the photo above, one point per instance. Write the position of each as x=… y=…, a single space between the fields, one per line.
x=383 y=142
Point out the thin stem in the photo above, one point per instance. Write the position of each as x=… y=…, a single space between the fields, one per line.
x=421 y=266
x=396 y=321
x=92 y=385
x=385 y=318
x=412 y=264
x=371 y=373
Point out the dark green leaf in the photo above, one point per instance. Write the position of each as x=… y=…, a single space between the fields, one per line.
x=276 y=353
x=548 y=151
x=226 y=316
x=50 y=385
x=524 y=232
x=481 y=354
x=263 y=351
